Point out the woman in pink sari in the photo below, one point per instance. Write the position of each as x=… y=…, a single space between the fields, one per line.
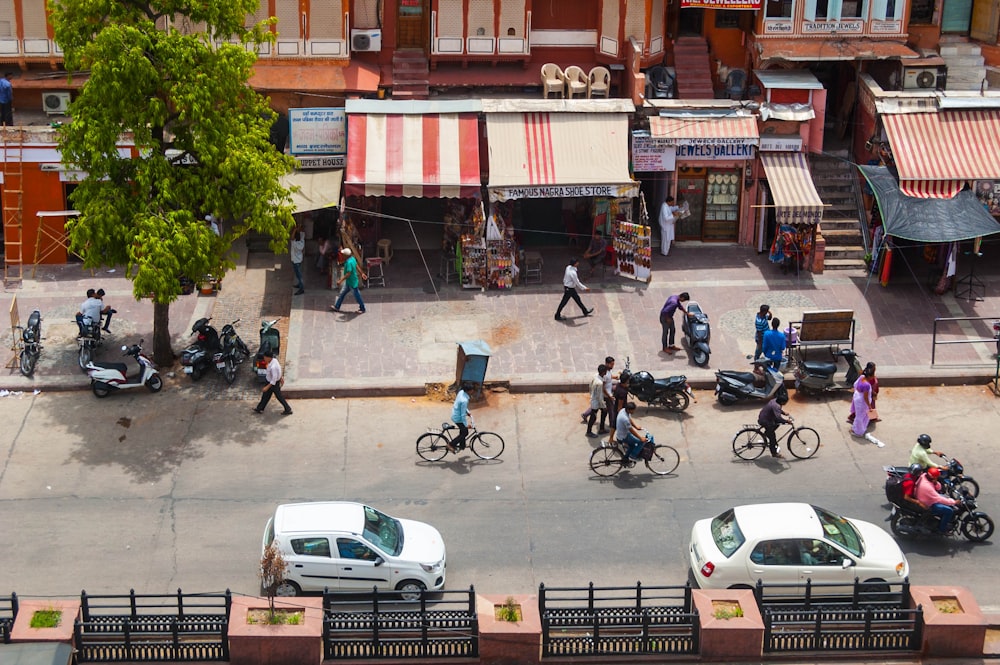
x=862 y=402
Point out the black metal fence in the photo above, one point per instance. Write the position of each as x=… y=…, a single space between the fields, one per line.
x=855 y=594
x=153 y=627
x=8 y=611
x=617 y=621
x=441 y=624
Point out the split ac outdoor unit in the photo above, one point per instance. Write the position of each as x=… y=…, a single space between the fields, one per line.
x=918 y=78
x=55 y=102
x=366 y=40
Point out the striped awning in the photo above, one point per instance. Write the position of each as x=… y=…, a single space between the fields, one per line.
x=937 y=153
x=432 y=155
x=795 y=198
x=316 y=189
x=704 y=130
x=557 y=155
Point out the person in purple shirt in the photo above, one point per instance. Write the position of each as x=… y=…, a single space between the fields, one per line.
x=673 y=304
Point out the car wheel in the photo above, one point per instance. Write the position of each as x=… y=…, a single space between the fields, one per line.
x=741 y=586
x=875 y=591
x=287 y=588
x=410 y=590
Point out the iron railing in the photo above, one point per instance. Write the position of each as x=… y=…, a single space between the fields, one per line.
x=8 y=612
x=853 y=595
x=441 y=624
x=609 y=621
x=964 y=338
x=843 y=629
x=153 y=627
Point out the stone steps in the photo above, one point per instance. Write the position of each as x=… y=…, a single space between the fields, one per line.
x=834 y=181
x=410 y=75
x=693 y=68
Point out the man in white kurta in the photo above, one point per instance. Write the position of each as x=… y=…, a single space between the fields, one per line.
x=667 y=219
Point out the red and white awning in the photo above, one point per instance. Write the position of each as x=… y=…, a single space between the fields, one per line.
x=433 y=155
x=796 y=200
x=739 y=130
x=937 y=153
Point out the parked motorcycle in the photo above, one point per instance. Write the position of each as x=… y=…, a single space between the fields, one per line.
x=673 y=393
x=88 y=341
x=106 y=377
x=909 y=519
x=697 y=333
x=234 y=352
x=196 y=358
x=815 y=377
x=31 y=343
x=764 y=382
x=270 y=340
x=952 y=476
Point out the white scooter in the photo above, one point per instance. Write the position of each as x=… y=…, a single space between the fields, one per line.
x=105 y=377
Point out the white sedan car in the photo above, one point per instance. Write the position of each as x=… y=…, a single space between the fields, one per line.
x=782 y=543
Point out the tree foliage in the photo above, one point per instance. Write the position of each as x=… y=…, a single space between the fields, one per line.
x=200 y=135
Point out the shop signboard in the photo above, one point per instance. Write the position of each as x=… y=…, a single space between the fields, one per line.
x=323 y=162
x=651 y=153
x=721 y=4
x=716 y=151
x=318 y=131
x=780 y=143
x=563 y=191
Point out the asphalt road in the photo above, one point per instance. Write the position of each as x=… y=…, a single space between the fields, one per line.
x=156 y=492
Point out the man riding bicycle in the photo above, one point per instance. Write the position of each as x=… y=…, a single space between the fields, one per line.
x=460 y=416
x=627 y=431
x=770 y=417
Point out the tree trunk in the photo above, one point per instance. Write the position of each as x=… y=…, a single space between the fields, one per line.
x=163 y=355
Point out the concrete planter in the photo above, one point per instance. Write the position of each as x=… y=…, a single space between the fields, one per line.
x=735 y=638
x=264 y=644
x=23 y=632
x=954 y=626
x=508 y=642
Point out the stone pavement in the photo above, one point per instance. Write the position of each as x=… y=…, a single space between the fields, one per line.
x=409 y=334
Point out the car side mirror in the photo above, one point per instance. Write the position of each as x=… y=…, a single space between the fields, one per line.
x=379 y=561
x=846 y=563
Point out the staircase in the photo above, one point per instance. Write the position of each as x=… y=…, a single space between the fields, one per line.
x=410 y=74
x=966 y=65
x=836 y=183
x=693 y=68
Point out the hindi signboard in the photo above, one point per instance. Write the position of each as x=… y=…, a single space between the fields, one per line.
x=319 y=131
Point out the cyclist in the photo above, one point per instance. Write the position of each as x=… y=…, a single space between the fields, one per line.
x=460 y=416
x=770 y=417
x=627 y=431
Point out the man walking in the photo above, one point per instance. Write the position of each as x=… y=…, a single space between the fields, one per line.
x=7 y=100
x=672 y=304
x=350 y=281
x=571 y=282
x=597 y=403
x=274 y=382
x=298 y=246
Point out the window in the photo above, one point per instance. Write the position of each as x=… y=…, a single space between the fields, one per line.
x=383 y=531
x=921 y=11
x=352 y=549
x=776 y=553
x=819 y=553
x=840 y=531
x=311 y=546
x=836 y=10
x=778 y=9
x=892 y=10
x=727 y=18
x=726 y=533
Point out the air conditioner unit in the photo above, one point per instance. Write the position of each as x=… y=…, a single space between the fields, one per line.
x=366 y=40
x=920 y=78
x=55 y=102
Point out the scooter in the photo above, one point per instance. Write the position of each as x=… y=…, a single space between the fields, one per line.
x=697 y=333
x=953 y=476
x=764 y=382
x=234 y=352
x=106 y=377
x=270 y=340
x=196 y=358
x=817 y=377
x=31 y=347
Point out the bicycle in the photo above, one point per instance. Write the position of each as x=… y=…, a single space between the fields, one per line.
x=433 y=445
x=751 y=442
x=611 y=458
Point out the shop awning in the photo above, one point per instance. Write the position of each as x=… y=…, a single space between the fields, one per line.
x=355 y=77
x=795 y=198
x=554 y=155
x=695 y=130
x=837 y=48
x=936 y=153
x=317 y=189
x=419 y=155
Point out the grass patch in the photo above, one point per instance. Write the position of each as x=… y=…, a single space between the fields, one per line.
x=46 y=618
x=276 y=618
x=509 y=611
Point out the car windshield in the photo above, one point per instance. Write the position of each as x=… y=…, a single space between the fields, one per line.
x=383 y=531
x=726 y=533
x=841 y=531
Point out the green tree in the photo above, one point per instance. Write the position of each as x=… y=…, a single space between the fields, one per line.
x=200 y=135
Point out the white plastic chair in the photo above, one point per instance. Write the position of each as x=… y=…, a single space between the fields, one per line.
x=552 y=79
x=600 y=82
x=577 y=82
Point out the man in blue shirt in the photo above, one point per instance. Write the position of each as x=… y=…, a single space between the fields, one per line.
x=6 y=100
x=460 y=416
x=774 y=343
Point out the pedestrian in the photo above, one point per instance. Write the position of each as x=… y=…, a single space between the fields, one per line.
x=609 y=397
x=773 y=344
x=571 y=282
x=667 y=325
x=298 y=246
x=460 y=416
x=772 y=415
x=597 y=402
x=595 y=252
x=667 y=220
x=350 y=281
x=760 y=327
x=862 y=403
x=273 y=386
x=873 y=382
x=621 y=394
x=213 y=224
x=7 y=100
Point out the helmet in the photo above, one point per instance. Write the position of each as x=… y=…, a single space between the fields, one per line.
x=934 y=473
x=916 y=470
x=924 y=440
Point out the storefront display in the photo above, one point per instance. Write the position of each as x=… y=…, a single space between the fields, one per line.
x=488 y=253
x=633 y=245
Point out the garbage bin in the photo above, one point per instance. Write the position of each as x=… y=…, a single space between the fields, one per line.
x=473 y=357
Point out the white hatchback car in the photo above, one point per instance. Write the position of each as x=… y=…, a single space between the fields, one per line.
x=351 y=547
x=783 y=543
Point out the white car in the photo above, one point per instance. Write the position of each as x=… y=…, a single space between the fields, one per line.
x=351 y=547
x=783 y=543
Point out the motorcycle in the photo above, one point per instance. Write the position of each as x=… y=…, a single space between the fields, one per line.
x=234 y=352
x=105 y=377
x=196 y=358
x=88 y=341
x=953 y=476
x=764 y=382
x=270 y=340
x=697 y=333
x=673 y=393
x=31 y=348
x=816 y=377
x=909 y=519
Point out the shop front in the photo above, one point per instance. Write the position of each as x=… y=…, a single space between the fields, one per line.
x=560 y=173
x=714 y=151
x=797 y=207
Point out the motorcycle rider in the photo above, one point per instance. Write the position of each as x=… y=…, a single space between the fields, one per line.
x=627 y=431
x=921 y=453
x=928 y=492
x=770 y=417
x=90 y=312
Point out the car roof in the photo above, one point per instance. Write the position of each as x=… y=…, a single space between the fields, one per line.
x=778 y=520
x=345 y=516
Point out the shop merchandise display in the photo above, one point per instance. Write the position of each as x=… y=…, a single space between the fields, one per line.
x=633 y=250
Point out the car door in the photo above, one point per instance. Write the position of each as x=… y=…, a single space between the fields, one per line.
x=774 y=561
x=361 y=567
x=823 y=562
x=311 y=566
